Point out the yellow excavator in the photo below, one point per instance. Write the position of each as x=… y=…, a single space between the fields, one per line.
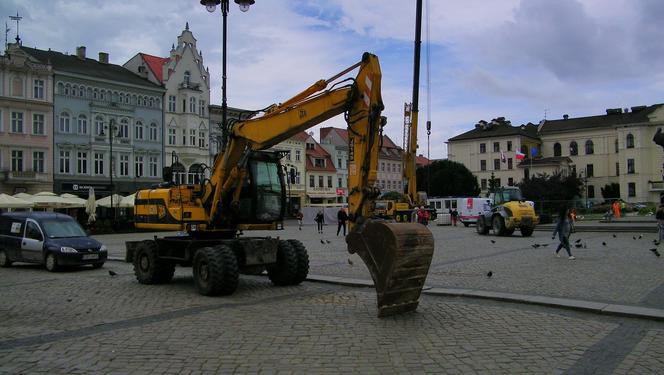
x=246 y=191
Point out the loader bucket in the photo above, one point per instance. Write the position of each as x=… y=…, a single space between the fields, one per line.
x=398 y=256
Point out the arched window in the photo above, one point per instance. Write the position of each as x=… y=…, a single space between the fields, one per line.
x=138 y=130
x=629 y=143
x=573 y=148
x=95 y=94
x=61 y=88
x=187 y=78
x=74 y=90
x=67 y=89
x=151 y=102
x=154 y=132
x=557 y=149
x=123 y=130
x=82 y=124
x=192 y=105
x=64 y=123
x=99 y=125
x=81 y=91
x=122 y=98
x=89 y=91
x=590 y=148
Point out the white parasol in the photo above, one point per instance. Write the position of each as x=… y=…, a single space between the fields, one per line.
x=74 y=200
x=106 y=201
x=7 y=201
x=128 y=201
x=91 y=206
x=50 y=200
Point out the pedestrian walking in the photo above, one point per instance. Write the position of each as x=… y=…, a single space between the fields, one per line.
x=320 y=220
x=422 y=216
x=659 y=215
x=454 y=214
x=563 y=229
x=299 y=217
x=616 y=209
x=342 y=217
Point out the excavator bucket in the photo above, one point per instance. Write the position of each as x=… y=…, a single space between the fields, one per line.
x=398 y=256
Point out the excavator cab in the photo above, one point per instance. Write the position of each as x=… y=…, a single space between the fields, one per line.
x=263 y=194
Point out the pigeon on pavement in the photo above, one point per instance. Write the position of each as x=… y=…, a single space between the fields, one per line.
x=112 y=273
x=328 y=241
x=640 y=236
x=489 y=274
x=492 y=241
x=535 y=245
x=633 y=237
x=577 y=241
x=614 y=236
x=655 y=252
x=350 y=262
x=604 y=243
x=323 y=242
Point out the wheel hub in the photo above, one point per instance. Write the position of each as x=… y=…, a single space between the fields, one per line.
x=144 y=263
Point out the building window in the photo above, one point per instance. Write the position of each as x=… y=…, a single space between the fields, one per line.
x=339 y=182
x=496 y=146
x=510 y=181
x=82 y=125
x=82 y=163
x=482 y=148
x=192 y=137
x=17 y=87
x=153 y=166
x=524 y=150
x=496 y=164
x=192 y=105
x=629 y=142
x=201 y=139
x=382 y=167
x=509 y=163
x=138 y=166
x=297 y=155
x=339 y=163
x=187 y=78
x=631 y=189
x=171 y=103
x=153 y=132
x=483 y=184
x=123 y=129
x=320 y=181
x=557 y=149
x=590 y=148
x=138 y=130
x=99 y=125
x=37 y=124
x=184 y=137
x=509 y=145
x=591 y=191
x=17 y=161
x=38 y=161
x=201 y=108
x=573 y=148
x=615 y=143
x=171 y=136
x=99 y=163
x=124 y=165
x=590 y=170
x=482 y=165
x=617 y=169
x=17 y=122
x=39 y=89
x=319 y=163
x=311 y=181
x=329 y=181
x=64 y=162
x=630 y=166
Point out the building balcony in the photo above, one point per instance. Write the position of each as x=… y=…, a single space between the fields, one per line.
x=321 y=192
x=656 y=185
x=190 y=86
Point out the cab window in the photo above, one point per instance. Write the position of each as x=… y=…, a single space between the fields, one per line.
x=32 y=231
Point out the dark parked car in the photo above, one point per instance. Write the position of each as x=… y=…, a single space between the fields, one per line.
x=47 y=238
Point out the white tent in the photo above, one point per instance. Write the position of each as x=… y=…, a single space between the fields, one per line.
x=106 y=201
x=74 y=200
x=24 y=196
x=7 y=201
x=128 y=201
x=51 y=200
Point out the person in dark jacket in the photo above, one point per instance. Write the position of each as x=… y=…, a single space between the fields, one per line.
x=563 y=229
x=342 y=217
x=320 y=220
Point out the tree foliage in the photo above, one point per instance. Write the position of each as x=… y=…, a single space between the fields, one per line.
x=392 y=195
x=611 y=191
x=448 y=178
x=551 y=191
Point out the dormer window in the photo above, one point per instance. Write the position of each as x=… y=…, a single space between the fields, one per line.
x=187 y=78
x=319 y=163
x=310 y=146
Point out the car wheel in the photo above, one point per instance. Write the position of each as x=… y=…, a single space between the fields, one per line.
x=498 y=225
x=215 y=271
x=51 y=263
x=4 y=259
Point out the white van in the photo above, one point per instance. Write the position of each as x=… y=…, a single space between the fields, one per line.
x=470 y=208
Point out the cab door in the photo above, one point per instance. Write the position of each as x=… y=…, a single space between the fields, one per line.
x=32 y=244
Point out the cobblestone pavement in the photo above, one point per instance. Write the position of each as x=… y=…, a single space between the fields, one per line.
x=622 y=271
x=84 y=321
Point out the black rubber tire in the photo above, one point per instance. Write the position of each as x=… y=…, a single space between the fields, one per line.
x=509 y=232
x=148 y=268
x=481 y=226
x=4 y=259
x=466 y=224
x=285 y=270
x=216 y=271
x=498 y=224
x=97 y=265
x=51 y=263
x=527 y=231
x=302 y=261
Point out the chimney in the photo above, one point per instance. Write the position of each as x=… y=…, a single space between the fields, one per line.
x=80 y=52
x=565 y=116
x=103 y=57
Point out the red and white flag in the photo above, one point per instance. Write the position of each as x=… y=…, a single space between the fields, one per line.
x=520 y=156
x=503 y=158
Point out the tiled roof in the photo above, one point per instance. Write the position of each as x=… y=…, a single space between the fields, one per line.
x=497 y=130
x=422 y=160
x=301 y=136
x=88 y=67
x=616 y=117
x=155 y=63
x=319 y=153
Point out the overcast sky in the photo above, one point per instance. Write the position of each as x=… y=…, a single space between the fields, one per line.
x=520 y=59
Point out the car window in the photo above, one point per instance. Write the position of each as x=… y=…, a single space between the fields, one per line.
x=62 y=229
x=32 y=231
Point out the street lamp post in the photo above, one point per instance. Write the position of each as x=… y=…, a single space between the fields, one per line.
x=211 y=5
x=111 y=129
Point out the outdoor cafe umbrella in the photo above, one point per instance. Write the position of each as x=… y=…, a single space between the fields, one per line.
x=128 y=201
x=91 y=206
x=7 y=201
x=106 y=201
x=50 y=200
x=74 y=201
x=24 y=196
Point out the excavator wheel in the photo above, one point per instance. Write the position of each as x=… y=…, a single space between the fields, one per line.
x=148 y=268
x=215 y=270
x=302 y=260
x=286 y=270
x=398 y=256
